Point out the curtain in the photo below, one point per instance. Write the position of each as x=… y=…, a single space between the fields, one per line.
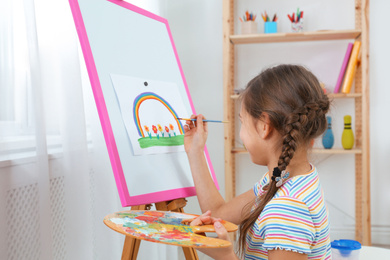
x=56 y=181
x=52 y=195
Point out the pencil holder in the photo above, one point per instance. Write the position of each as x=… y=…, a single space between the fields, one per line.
x=248 y=27
x=270 y=27
x=297 y=26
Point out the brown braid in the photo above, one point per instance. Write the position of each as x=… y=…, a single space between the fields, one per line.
x=296 y=105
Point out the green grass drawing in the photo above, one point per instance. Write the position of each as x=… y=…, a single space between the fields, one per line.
x=146 y=142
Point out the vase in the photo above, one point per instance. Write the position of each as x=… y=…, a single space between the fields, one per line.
x=347 y=138
x=328 y=138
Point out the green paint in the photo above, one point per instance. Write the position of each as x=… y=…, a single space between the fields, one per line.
x=132 y=215
x=146 y=142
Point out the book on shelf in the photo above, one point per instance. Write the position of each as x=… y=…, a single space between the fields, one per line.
x=351 y=68
x=343 y=68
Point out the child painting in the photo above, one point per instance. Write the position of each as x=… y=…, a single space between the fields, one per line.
x=284 y=215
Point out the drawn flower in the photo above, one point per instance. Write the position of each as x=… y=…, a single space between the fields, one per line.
x=172 y=128
x=148 y=131
x=155 y=131
x=167 y=130
x=161 y=130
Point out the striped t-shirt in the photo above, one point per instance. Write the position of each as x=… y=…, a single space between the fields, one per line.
x=296 y=219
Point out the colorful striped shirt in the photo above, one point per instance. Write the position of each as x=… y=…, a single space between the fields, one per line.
x=296 y=219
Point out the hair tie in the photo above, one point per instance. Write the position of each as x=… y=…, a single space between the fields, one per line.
x=276 y=173
x=279 y=176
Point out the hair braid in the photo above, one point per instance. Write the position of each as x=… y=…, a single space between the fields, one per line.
x=290 y=139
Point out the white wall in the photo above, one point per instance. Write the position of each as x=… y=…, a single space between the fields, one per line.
x=197 y=30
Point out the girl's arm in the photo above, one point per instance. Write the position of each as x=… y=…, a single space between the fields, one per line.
x=208 y=195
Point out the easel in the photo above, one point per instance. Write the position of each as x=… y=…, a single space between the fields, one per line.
x=131 y=245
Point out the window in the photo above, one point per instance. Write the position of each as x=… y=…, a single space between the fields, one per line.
x=15 y=94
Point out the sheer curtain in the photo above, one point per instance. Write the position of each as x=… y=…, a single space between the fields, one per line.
x=56 y=181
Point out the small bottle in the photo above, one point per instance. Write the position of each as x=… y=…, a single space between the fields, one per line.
x=347 y=138
x=327 y=138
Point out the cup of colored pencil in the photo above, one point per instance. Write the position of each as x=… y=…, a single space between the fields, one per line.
x=248 y=23
x=270 y=25
x=296 y=21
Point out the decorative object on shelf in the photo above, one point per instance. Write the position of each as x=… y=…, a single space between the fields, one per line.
x=351 y=68
x=296 y=21
x=248 y=23
x=327 y=138
x=343 y=68
x=347 y=138
x=270 y=26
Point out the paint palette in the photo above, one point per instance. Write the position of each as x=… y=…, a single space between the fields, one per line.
x=165 y=227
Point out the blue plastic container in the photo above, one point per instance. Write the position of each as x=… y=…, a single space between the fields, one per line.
x=345 y=249
x=270 y=27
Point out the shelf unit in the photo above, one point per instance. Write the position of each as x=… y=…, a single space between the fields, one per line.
x=361 y=96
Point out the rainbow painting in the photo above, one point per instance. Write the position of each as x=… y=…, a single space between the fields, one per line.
x=168 y=135
x=150 y=110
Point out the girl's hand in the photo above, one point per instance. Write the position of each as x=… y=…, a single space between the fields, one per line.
x=195 y=134
x=204 y=219
x=226 y=253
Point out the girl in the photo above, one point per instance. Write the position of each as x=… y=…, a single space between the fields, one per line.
x=284 y=216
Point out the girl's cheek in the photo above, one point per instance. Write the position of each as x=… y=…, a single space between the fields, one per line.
x=242 y=138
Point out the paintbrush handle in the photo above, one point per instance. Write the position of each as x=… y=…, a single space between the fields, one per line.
x=204 y=120
x=230 y=227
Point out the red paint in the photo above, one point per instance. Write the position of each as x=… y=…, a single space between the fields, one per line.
x=154 y=213
x=176 y=234
x=148 y=219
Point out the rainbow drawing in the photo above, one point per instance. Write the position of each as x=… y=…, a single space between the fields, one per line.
x=152 y=96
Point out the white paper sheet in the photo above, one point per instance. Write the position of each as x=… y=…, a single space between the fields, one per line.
x=149 y=110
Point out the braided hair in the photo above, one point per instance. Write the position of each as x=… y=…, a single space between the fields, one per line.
x=296 y=105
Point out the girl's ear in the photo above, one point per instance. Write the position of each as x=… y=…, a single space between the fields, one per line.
x=264 y=127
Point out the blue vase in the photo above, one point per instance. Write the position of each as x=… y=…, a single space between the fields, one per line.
x=327 y=138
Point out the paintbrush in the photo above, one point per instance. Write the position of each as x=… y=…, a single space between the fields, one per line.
x=205 y=120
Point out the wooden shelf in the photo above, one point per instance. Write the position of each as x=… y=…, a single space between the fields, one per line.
x=361 y=103
x=330 y=95
x=314 y=150
x=295 y=37
x=335 y=151
x=341 y=95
